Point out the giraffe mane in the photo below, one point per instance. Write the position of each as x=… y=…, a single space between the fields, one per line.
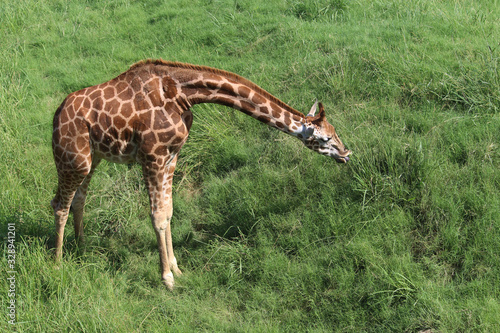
x=226 y=74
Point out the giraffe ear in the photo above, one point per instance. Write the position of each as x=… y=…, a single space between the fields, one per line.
x=321 y=111
x=312 y=112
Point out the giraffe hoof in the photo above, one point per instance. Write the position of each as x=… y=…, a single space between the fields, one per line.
x=177 y=271
x=168 y=281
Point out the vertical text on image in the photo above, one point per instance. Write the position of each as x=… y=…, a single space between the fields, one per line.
x=11 y=272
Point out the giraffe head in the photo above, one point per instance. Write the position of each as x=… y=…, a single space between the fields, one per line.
x=320 y=135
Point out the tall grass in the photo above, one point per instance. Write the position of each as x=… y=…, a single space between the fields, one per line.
x=270 y=236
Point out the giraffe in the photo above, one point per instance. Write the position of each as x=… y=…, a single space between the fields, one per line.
x=144 y=115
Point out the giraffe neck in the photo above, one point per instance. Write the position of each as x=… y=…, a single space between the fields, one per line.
x=189 y=85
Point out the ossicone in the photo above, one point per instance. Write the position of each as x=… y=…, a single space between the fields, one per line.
x=314 y=109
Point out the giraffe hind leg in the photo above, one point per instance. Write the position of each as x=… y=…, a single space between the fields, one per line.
x=72 y=156
x=72 y=170
x=67 y=187
x=78 y=203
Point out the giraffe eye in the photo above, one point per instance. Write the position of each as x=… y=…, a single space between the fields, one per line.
x=325 y=139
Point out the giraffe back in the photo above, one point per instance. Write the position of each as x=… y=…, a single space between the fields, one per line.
x=132 y=117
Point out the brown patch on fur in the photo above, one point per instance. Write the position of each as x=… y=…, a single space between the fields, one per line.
x=169 y=87
x=244 y=92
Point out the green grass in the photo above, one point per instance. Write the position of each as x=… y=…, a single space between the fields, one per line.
x=270 y=236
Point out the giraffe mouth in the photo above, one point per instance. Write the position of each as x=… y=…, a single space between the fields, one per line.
x=343 y=159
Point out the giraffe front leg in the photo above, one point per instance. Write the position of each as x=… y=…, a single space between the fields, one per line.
x=170 y=250
x=169 y=208
x=158 y=181
x=159 y=220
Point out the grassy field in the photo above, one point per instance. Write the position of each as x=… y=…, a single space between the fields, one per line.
x=271 y=237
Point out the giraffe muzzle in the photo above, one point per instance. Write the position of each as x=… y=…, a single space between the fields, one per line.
x=343 y=159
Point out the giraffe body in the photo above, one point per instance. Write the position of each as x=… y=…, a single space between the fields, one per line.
x=144 y=116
